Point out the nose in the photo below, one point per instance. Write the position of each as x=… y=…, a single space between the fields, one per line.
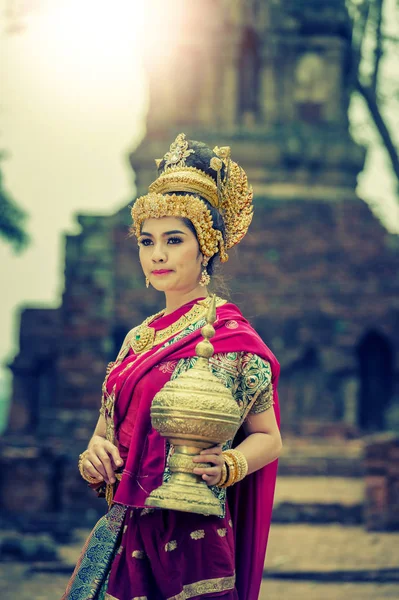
x=158 y=254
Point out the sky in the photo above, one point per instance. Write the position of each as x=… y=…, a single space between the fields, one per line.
x=72 y=106
x=70 y=112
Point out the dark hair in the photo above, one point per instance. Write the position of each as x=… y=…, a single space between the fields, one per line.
x=201 y=160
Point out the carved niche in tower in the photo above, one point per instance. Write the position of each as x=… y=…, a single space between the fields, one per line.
x=249 y=73
x=312 y=88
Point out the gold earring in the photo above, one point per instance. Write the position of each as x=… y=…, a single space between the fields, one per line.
x=147 y=282
x=205 y=277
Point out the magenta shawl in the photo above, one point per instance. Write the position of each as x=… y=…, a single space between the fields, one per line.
x=251 y=500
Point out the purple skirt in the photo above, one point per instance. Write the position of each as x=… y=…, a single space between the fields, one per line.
x=156 y=555
x=173 y=555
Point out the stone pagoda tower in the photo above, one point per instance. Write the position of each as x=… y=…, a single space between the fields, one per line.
x=270 y=78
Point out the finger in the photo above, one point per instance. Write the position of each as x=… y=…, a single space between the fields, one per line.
x=210 y=458
x=114 y=452
x=106 y=461
x=213 y=450
x=93 y=455
x=90 y=469
x=96 y=462
x=207 y=471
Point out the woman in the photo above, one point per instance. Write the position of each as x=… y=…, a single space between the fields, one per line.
x=199 y=206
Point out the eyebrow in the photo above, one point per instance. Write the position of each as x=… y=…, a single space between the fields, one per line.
x=166 y=232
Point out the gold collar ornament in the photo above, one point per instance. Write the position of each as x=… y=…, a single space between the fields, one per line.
x=144 y=337
x=231 y=195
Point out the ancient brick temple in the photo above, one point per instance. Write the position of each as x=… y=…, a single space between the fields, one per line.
x=315 y=275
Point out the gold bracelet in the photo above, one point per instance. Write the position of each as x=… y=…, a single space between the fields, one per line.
x=85 y=476
x=232 y=472
x=236 y=471
x=223 y=483
x=223 y=476
x=236 y=467
x=241 y=461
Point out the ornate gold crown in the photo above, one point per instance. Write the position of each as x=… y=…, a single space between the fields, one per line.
x=186 y=179
x=230 y=195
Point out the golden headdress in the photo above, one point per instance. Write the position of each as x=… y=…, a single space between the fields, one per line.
x=231 y=196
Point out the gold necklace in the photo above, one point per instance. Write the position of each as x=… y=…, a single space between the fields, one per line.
x=144 y=337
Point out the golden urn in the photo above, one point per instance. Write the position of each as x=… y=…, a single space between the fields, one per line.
x=194 y=412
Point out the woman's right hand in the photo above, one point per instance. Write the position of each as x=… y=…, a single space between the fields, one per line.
x=101 y=460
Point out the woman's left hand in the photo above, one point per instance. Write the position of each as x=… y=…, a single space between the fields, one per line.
x=212 y=474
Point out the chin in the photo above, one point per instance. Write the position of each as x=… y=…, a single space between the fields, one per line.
x=162 y=286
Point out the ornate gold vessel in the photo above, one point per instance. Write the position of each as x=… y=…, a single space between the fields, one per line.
x=194 y=412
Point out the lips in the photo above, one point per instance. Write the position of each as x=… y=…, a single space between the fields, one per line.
x=162 y=272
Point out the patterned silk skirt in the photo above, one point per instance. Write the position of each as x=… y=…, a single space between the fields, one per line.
x=147 y=554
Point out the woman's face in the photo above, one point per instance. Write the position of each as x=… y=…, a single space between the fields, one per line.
x=169 y=255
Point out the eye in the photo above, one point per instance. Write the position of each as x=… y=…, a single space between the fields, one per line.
x=145 y=242
x=174 y=240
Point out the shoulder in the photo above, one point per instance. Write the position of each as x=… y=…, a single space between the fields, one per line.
x=236 y=333
x=256 y=372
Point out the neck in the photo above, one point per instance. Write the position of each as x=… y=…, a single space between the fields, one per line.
x=175 y=300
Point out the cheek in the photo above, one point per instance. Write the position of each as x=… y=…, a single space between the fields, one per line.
x=189 y=259
x=143 y=257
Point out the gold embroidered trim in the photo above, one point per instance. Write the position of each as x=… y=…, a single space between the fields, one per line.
x=140 y=598
x=120 y=550
x=109 y=597
x=125 y=529
x=230 y=523
x=140 y=554
x=170 y=546
x=222 y=532
x=109 y=367
x=207 y=586
x=197 y=535
x=147 y=511
x=263 y=402
x=143 y=337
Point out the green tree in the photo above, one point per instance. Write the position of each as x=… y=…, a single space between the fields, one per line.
x=12 y=218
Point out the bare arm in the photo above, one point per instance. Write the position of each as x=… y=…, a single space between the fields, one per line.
x=263 y=443
x=100 y=428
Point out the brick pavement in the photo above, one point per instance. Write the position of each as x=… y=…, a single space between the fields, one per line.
x=14 y=585
x=283 y=590
x=317 y=548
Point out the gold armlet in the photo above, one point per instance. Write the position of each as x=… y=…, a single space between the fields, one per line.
x=236 y=468
x=86 y=477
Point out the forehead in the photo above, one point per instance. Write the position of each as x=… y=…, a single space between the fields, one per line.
x=159 y=226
